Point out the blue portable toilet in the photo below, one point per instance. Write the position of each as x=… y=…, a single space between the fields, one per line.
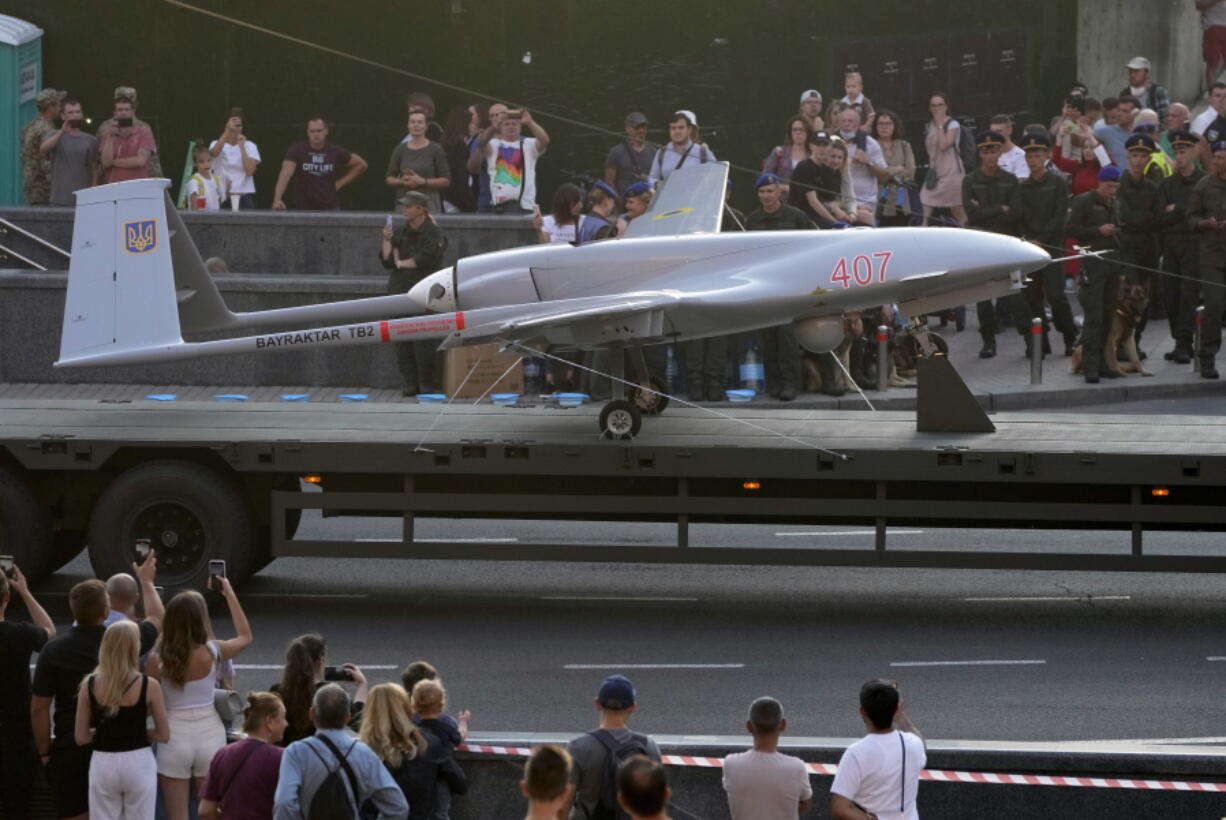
x=21 y=77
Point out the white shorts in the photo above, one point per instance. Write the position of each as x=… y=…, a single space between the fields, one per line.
x=122 y=785
x=195 y=736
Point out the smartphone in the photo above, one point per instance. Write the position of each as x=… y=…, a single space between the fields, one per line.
x=143 y=548
x=389 y=221
x=236 y=112
x=337 y=673
x=124 y=122
x=8 y=565
x=217 y=569
x=75 y=123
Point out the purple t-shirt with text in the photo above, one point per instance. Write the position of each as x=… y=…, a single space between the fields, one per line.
x=315 y=174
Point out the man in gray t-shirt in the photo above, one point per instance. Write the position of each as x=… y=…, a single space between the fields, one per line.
x=629 y=161
x=74 y=155
x=615 y=702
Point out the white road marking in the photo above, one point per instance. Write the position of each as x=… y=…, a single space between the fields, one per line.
x=846 y=532
x=441 y=540
x=269 y=667
x=1216 y=658
x=305 y=595
x=616 y=666
x=969 y=663
x=1057 y=598
x=613 y=598
x=1147 y=741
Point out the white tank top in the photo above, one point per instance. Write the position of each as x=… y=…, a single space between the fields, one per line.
x=195 y=694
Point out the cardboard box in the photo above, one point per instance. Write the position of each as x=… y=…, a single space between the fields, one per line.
x=458 y=361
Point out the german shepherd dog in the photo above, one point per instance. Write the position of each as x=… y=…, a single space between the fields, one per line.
x=1129 y=309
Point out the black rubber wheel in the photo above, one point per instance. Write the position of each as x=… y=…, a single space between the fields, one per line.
x=191 y=513
x=65 y=546
x=651 y=404
x=620 y=420
x=25 y=528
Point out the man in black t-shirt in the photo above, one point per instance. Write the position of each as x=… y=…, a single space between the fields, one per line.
x=315 y=167
x=814 y=183
x=62 y=664
x=18 y=641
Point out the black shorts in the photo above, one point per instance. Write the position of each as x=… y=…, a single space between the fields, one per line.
x=68 y=777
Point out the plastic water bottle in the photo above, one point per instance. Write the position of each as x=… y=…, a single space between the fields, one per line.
x=672 y=372
x=753 y=372
x=532 y=376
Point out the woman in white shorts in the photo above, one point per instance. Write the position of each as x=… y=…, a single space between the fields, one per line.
x=185 y=661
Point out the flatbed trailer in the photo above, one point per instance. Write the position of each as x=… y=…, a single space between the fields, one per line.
x=226 y=480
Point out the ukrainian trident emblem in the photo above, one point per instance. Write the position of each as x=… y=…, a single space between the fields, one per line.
x=140 y=237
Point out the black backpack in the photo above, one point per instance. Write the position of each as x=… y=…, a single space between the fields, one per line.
x=968 y=154
x=607 y=808
x=331 y=800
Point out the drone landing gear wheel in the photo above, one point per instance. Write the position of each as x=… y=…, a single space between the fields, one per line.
x=648 y=402
x=620 y=420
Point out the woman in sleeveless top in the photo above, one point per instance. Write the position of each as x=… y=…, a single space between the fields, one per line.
x=112 y=709
x=185 y=660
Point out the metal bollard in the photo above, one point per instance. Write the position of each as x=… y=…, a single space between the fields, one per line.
x=1036 y=350
x=883 y=358
x=1198 y=322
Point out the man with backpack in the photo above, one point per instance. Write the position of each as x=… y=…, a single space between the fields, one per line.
x=330 y=775
x=684 y=149
x=600 y=753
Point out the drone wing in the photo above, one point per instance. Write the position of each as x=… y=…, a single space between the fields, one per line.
x=691 y=201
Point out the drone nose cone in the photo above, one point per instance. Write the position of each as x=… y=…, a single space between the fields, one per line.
x=435 y=293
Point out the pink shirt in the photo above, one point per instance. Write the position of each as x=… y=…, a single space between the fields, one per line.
x=128 y=146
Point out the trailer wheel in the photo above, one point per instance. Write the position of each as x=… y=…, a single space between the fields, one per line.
x=25 y=527
x=190 y=513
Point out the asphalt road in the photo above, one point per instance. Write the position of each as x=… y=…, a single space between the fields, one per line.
x=1042 y=656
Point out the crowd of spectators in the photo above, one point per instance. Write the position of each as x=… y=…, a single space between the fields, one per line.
x=1124 y=174
x=132 y=706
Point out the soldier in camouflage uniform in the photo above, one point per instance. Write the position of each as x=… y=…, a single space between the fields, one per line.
x=1207 y=216
x=126 y=93
x=35 y=165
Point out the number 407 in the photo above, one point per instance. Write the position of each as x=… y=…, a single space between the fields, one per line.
x=861 y=270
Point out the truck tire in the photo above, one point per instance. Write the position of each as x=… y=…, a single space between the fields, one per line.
x=25 y=527
x=191 y=513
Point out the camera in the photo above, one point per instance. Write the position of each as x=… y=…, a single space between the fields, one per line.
x=337 y=673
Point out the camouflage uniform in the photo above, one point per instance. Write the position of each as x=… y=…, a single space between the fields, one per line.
x=36 y=167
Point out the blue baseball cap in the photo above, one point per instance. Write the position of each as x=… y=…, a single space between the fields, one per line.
x=638 y=189
x=1110 y=174
x=765 y=179
x=616 y=693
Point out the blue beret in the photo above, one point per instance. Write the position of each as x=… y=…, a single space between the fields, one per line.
x=1218 y=145
x=1110 y=174
x=765 y=179
x=638 y=189
x=606 y=187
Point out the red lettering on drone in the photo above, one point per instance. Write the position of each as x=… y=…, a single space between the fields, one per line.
x=861 y=269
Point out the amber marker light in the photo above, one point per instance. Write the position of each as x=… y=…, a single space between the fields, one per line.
x=313 y=479
x=751 y=485
x=1160 y=492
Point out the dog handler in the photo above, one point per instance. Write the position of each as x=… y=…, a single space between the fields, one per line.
x=1093 y=222
x=1207 y=215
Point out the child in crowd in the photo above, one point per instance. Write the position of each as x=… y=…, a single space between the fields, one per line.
x=205 y=189
x=429 y=699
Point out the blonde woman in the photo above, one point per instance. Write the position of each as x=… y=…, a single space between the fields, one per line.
x=414 y=757
x=113 y=707
x=243 y=776
x=185 y=661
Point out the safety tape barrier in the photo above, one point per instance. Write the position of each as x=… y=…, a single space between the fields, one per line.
x=937 y=775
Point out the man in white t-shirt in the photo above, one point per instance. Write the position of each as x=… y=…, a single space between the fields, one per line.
x=1012 y=158
x=762 y=783
x=878 y=776
x=510 y=161
x=867 y=165
x=684 y=148
x=235 y=159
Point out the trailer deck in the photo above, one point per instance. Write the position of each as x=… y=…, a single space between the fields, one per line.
x=732 y=465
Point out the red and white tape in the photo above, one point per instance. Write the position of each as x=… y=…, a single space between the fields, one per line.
x=938 y=775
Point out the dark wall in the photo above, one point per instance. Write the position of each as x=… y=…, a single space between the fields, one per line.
x=739 y=66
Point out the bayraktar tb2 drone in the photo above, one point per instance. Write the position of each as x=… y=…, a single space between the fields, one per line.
x=137 y=284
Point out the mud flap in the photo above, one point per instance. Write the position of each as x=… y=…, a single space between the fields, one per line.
x=944 y=404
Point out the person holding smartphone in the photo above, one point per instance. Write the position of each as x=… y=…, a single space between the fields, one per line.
x=185 y=661
x=73 y=153
x=18 y=641
x=126 y=145
x=235 y=159
x=306 y=669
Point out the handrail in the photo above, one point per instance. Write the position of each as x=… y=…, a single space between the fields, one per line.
x=16 y=255
x=37 y=239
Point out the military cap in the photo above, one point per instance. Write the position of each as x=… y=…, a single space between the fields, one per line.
x=1218 y=145
x=989 y=139
x=1182 y=139
x=1111 y=173
x=765 y=179
x=601 y=185
x=638 y=189
x=1141 y=142
x=125 y=93
x=49 y=96
x=414 y=198
x=1034 y=142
